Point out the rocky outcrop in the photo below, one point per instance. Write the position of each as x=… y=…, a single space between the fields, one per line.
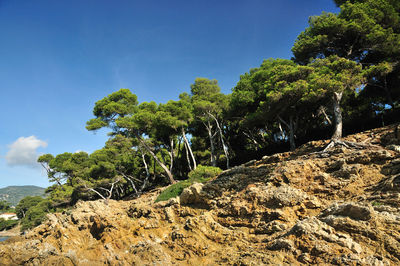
x=305 y=207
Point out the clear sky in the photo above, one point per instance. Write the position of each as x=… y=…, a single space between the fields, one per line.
x=57 y=58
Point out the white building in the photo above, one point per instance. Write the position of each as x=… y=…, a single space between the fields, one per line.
x=9 y=216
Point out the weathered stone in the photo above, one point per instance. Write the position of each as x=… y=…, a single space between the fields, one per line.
x=312 y=203
x=393 y=147
x=277 y=197
x=173 y=201
x=279 y=244
x=169 y=214
x=352 y=210
x=192 y=194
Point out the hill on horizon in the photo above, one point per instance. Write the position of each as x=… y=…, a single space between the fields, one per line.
x=13 y=194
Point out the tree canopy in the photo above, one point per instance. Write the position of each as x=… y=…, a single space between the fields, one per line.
x=367 y=32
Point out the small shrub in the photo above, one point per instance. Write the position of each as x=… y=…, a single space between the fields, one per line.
x=173 y=190
x=7 y=224
x=35 y=215
x=202 y=174
x=32 y=211
x=376 y=203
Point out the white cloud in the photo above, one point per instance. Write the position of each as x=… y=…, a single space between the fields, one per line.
x=22 y=152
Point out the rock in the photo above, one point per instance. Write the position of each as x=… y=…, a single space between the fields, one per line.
x=392 y=183
x=277 y=197
x=305 y=258
x=312 y=203
x=139 y=210
x=270 y=228
x=352 y=210
x=312 y=226
x=173 y=201
x=280 y=244
x=316 y=230
x=169 y=214
x=393 y=147
x=372 y=260
x=192 y=194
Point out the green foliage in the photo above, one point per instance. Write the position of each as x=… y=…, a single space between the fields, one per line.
x=7 y=224
x=120 y=112
x=201 y=174
x=32 y=211
x=120 y=103
x=335 y=74
x=366 y=31
x=376 y=203
x=58 y=195
x=35 y=215
x=276 y=92
x=4 y=206
x=173 y=190
x=209 y=108
x=207 y=98
x=25 y=204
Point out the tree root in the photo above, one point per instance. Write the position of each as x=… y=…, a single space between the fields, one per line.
x=345 y=143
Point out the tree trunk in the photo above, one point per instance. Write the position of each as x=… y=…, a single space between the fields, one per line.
x=145 y=163
x=49 y=173
x=179 y=147
x=224 y=146
x=166 y=170
x=388 y=95
x=187 y=156
x=212 y=147
x=291 y=134
x=131 y=181
x=252 y=139
x=171 y=155
x=322 y=111
x=189 y=148
x=98 y=193
x=291 y=127
x=145 y=183
x=59 y=183
x=283 y=135
x=337 y=97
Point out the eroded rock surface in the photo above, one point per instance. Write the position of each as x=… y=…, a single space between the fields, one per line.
x=305 y=207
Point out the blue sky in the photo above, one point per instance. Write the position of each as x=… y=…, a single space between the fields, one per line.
x=57 y=58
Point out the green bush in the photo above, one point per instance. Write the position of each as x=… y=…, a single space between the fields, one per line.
x=7 y=224
x=35 y=215
x=4 y=206
x=202 y=174
x=60 y=195
x=173 y=190
x=25 y=204
x=32 y=211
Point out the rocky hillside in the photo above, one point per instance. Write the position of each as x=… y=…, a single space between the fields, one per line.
x=13 y=194
x=305 y=207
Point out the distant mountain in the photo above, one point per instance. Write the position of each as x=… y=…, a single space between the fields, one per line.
x=13 y=194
